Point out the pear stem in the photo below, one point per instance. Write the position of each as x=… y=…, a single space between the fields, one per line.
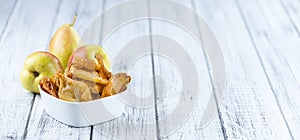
x=74 y=20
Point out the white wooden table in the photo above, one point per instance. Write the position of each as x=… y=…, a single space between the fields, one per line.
x=260 y=40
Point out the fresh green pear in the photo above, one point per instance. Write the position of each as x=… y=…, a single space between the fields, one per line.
x=64 y=42
x=36 y=67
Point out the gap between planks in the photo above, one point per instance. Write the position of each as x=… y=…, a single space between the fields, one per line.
x=8 y=19
x=34 y=96
x=210 y=78
x=262 y=65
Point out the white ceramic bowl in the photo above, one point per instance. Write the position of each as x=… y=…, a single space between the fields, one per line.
x=81 y=114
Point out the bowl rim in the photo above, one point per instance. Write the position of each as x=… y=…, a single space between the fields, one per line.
x=77 y=103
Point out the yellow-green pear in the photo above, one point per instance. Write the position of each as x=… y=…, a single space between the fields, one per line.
x=37 y=66
x=64 y=42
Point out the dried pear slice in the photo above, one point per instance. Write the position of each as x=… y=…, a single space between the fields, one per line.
x=116 y=84
x=87 y=75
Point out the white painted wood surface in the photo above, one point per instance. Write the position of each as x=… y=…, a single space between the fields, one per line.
x=168 y=80
x=40 y=124
x=22 y=36
x=292 y=7
x=274 y=38
x=249 y=108
x=136 y=123
x=260 y=42
x=5 y=11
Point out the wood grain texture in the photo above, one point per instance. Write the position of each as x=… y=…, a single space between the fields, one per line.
x=248 y=108
x=292 y=8
x=292 y=53
x=137 y=122
x=19 y=40
x=169 y=79
x=259 y=39
x=270 y=33
x=6 y=9
x=41 y=125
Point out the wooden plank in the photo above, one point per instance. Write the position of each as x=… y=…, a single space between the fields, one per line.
x=292 y=28
x=273 y=35
x=6 y=8
x=19 y=40
x=248 y=108
x=137 y=122
x=292 y=53
x=169 y=79
x=42 y=125
x=292 y=7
